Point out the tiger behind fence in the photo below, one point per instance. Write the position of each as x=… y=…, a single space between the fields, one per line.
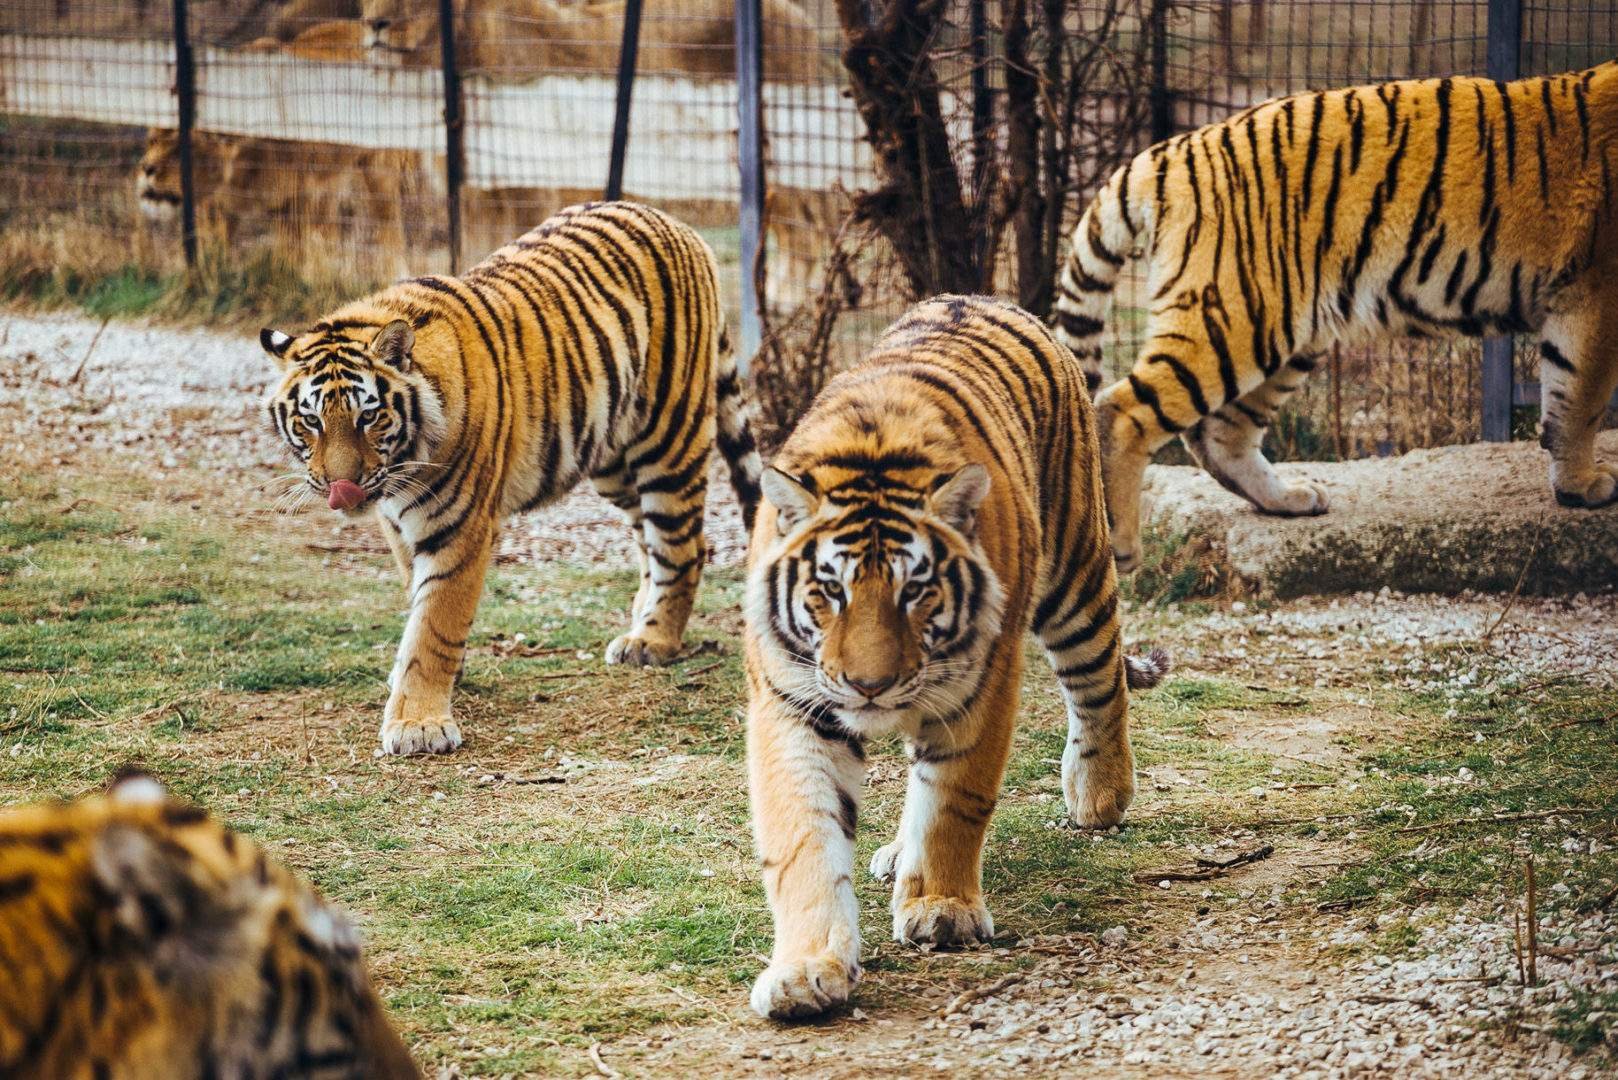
x=934 y=504
x=591 y=347
x=140 y=938
x=1440 y=207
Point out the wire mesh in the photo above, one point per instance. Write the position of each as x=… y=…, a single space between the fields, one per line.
x=320 y=145
x=79 y=86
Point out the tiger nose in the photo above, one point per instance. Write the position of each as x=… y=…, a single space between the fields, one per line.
x=381 y=24
x=872 y=687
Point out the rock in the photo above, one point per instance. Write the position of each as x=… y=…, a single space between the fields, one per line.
x=1439 y=520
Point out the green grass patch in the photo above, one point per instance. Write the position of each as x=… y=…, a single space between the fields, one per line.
x=513 y=925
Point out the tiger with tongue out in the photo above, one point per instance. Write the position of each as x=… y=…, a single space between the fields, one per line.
x=593 y=346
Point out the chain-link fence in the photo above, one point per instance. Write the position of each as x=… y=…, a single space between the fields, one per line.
x=313 y=148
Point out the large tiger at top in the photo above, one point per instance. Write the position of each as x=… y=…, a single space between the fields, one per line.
x=935 y=504
x=140 y=938
x=1437 y=207
x=593 y=346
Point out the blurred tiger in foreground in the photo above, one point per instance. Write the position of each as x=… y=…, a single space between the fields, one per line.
x=139 y=938
x=591 y=347
x=1434 y=208
x=935 y=503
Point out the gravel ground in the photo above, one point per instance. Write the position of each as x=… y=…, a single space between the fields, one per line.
x=1233 y=1005
x=1237 y=992
x=192 y=398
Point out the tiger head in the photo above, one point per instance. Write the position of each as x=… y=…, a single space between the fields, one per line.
x=876 y=595
x=157 y=178
x=207 y=958
x=356 y=410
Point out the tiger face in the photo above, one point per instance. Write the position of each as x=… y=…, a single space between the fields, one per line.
x=188 y=952
x=880 y=603
x=357 y=413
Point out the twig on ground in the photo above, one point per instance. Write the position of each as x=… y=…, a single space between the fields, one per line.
x=567 y=675
x=1344 y=904
x=1587 y=720
x=1245 y=857
x=1533 y=923
x=1516 y=944
x=1564 y=952
x=1210 y=868
x=702 y=670
x=1516 y=589
x=1431 y=826
x=1262 y=689
x=967 y=997
x=78 y=372
x=601 y=1066
x=542 y=778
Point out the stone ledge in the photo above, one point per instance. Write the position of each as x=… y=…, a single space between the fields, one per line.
x=1441 y=520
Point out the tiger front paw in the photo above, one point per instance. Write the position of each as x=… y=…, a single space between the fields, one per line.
x=1595 y=488
x=636 y=651
x=794 y=989
x=420 y=734
x=942 y=921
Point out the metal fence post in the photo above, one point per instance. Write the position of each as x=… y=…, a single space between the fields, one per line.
x=627 y=52
x=1505 y=64
x=1161 y=102
x=454 y=130
x=982 y=119
x=750 y=88
x=185 y=88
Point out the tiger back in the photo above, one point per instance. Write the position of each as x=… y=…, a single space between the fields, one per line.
x=934 y=504
x=592 y=347
x=1434 y=208
x=140 y=938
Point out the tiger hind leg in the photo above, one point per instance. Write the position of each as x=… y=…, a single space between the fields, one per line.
x=1170 y=389
x=1578 y=370
x=1229 y=442
x=670 y=540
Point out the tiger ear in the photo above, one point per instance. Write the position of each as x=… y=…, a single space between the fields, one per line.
x=393 y=343
x=794 y=499
x=956 y=497
x=135 y=786
x=157 y=904
x=276 y=344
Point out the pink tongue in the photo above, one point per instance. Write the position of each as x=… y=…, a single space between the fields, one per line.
x=344 y=495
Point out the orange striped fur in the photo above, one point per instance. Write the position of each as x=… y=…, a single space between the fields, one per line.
x=140 y=938
x=593 y=347
x=1436 y=208
x=935 y=503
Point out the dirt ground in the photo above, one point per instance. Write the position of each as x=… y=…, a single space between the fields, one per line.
x=1233 y=977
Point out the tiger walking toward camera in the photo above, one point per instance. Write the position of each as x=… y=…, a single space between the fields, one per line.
x=593 y=346
x=934 y=504
x=1440 y=207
